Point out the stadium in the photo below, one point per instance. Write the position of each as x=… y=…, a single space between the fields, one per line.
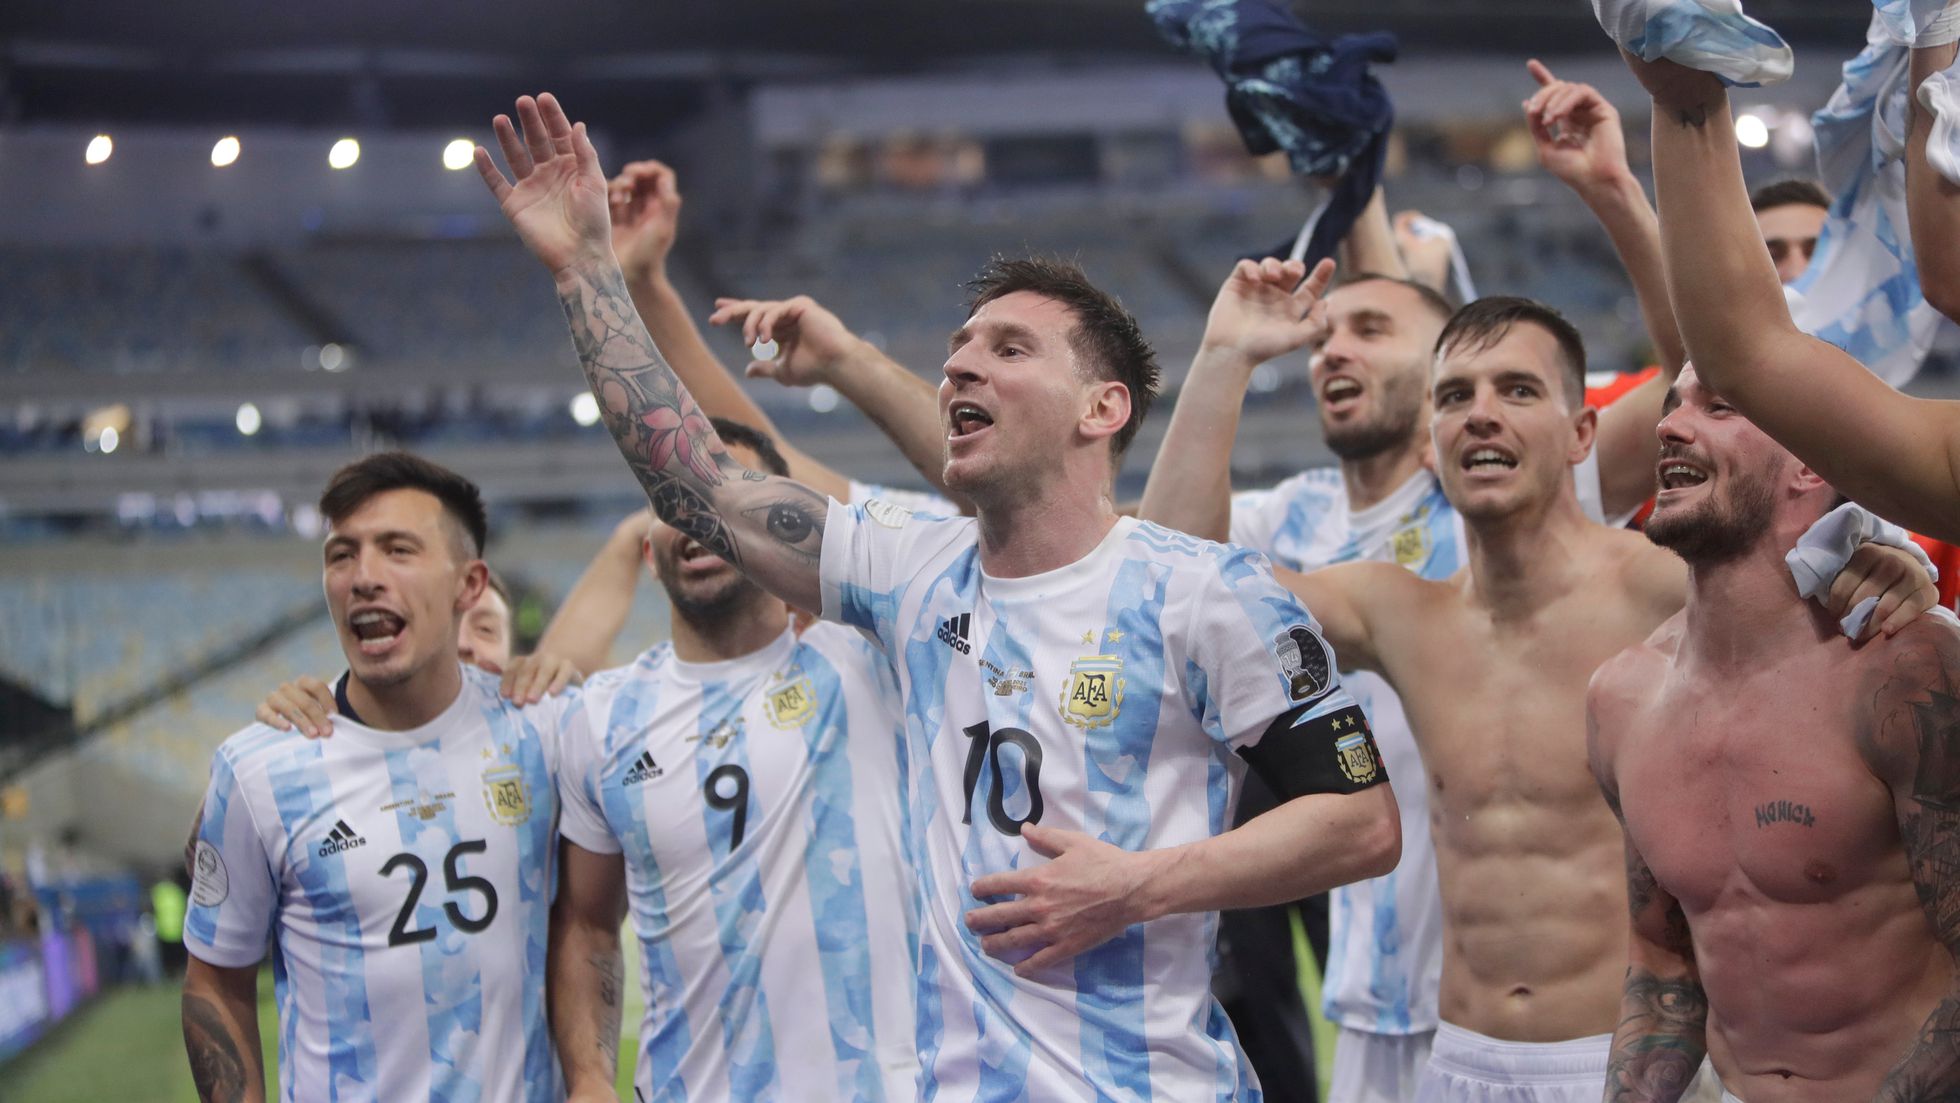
x=271 y=283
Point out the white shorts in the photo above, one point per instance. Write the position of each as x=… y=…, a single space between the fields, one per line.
x=1466 y=1067
x=1377 y=1068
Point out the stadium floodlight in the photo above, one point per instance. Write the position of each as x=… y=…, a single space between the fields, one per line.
x=249 y=419
x=823 y=398
x=225 y=152
x=458 y=154
x=109 y=439
x=99 y=149
x=344 y=153
x=585 y=409
x=1751 y=131
x=333 y=357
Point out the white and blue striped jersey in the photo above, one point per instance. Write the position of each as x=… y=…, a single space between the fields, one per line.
x=757 y=802
x=404 y=881
x=1385 y=935
x=1104 y=697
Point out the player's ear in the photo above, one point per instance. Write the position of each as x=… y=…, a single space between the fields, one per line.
x=1806 y=481
x=469 y=588
x=1107 y=411
x=1585 y=428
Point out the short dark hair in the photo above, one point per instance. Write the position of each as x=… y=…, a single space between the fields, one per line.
x=1106 y=335
x=1431 y=298
x=352 y=486
x=737 y=435
x=1484 y=322
x=1793 y=192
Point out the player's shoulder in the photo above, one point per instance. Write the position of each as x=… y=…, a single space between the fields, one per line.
x=1620 y=679
x=255 y=749
x=1317 y=489
x=839 y=644
x=1923 y=654
x=1640 y=567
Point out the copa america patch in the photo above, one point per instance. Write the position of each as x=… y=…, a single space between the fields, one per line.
x=210 y=883
x=889 y=514
x=1306 y=663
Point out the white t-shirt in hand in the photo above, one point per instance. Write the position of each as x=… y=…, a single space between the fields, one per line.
x=1104 y=697
x=757 y=802
x=404 y=882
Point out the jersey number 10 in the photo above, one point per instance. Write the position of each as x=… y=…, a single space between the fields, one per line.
x=986 y=750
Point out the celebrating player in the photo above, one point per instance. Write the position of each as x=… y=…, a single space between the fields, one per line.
x=1787 y=802
x=1071 y=683
x=741 y=786
x=1491 y=666
x=400 y=870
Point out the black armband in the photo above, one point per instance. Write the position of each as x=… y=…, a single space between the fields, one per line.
x=1335 y=753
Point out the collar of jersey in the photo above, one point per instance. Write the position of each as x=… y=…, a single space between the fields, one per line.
x=757 y=662
x=1398 y=503
x=411 y=737
x=1061 y=580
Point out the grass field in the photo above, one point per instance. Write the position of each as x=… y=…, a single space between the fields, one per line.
x=127 y=1048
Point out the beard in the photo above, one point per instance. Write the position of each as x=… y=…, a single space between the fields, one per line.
x=705 y=603
x=1712 y=532
x=1394 y=427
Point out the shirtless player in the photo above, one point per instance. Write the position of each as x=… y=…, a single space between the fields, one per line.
x=1789 y=802
x=1492 y=666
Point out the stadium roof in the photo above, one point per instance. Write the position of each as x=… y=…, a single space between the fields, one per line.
x=437 y=63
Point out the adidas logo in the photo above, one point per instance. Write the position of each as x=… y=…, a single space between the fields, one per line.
x=644 y=770
x=952 y=633
x=341 y=838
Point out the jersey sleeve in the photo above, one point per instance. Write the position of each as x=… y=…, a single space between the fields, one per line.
x=1267 y=685
x=1256 y=515
x=234 y=902
x=918 y=501
x=871 y=554
x=582 y=757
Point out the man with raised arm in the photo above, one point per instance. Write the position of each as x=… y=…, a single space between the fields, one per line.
x=1490 y=664
x=1788 y=798
x=1902 y=460
x=1074 y=685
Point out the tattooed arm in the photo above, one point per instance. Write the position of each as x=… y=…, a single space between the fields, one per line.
x=221 y=1032
x=769 y=527
x=1913 y=743
x=1903 y=463
x=1662 y=1036
x=586 y=976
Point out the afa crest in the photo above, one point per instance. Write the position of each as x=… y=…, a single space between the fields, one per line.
x=1357 y=758
x=791 y=702
x=507 y=794
x=1410 y=543
x=1094 y=695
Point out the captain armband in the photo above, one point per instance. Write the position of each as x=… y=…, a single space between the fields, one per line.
x=1335 y=753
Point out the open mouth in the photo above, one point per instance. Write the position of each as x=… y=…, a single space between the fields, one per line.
x=1339 y=391
x=376 y=629
x=966 y=419
x=1678 y=475
x=1489 y=459
x=693 y=557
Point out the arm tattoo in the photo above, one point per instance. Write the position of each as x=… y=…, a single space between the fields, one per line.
x=666 y=439
x=1929 y=826
x=1661 y=1040
x=1696 y=116
x=612 y=975
x=217 y=1067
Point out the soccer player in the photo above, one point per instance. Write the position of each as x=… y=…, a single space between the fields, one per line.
x=1897 y=457
x=1490 y=665
x=1790 y=214
x=1788 y=803
x=1073 y=684
x=487 y=636
x=741 y=785
x=401 y=871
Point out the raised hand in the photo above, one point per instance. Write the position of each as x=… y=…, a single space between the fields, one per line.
x=645 y=204
x=1427 y=256
x=1576 y=130
x=558 y=201
x=1266 y=308
x=810 y=341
